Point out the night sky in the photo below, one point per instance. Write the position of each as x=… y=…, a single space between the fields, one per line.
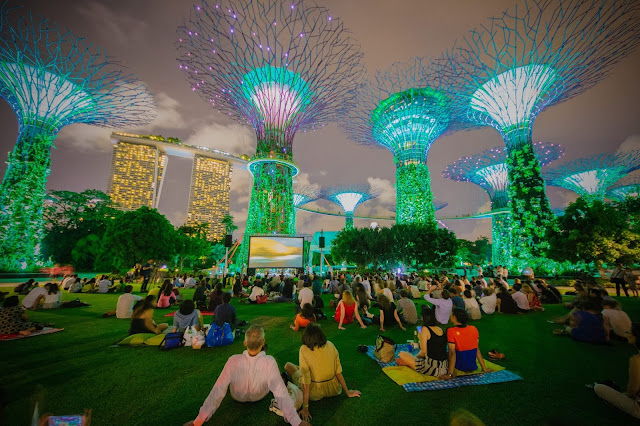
x=142 y=35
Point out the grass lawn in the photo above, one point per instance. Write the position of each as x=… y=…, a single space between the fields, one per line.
x=78 y=369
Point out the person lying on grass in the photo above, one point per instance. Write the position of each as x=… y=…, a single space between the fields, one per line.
x=250 y=376
x=319 y=373
x=303 y=318
x=142 y=318
x=388 y=313
x=345 y=311
x=463 y=343
x=432 y=358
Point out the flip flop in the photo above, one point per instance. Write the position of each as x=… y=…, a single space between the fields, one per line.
x=495 y=355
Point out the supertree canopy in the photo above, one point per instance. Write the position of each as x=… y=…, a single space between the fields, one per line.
x=591 y=176
x=488 y=170
x=52 y=78
x=349 y=197
x=280 y=66
x=303 y=194
x=506 y=72
x=625 y=187
x=404 y=109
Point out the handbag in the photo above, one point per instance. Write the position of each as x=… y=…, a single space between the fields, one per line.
x=219 y=335
x=385 y=350
x=262 y=299
x=171 y=341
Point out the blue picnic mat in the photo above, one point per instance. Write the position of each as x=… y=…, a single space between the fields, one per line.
x=476 y=379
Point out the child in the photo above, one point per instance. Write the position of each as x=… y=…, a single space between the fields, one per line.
x=305 y=317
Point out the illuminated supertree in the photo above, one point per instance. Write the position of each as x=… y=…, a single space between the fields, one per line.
x=52 y=78
x=625 y=187
x=488 y=170
x=303 y=194
x=349 y=197
x=404 y=109
x=279 y=66
x=509 y=70
x=591 y=176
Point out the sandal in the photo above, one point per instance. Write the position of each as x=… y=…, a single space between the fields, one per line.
x=495 y=355
x=559 y=332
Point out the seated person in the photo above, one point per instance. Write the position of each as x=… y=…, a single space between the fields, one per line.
x=104 y=284
x=215 y=298
x=388 y=313
x=167 y=297
x=13 y=320
x=629 y=402
x=458 y=302
x=239 y=374
x=89 y=286
x=199 y=297
x=443 y=304
x=288 y=290
x=587 y=324
x=345 y=311
x=305 y=295
x=522 y=303
x=362 y=297
x=506 y=304
x=432 y=358
x=187 y=316
x=407 y=308
x=463 y=343
x=225 y=312
x=52 y=296
x=238 y=289
x=142 y=318
x=35 y=297
x=124 y=308
x=303 y=318
x=26 y=287
x=532 y=298
x=548 y=294
x=256 y=291
x=471 y=305
x=76 y=286
x=488 y=301
x=618 y=320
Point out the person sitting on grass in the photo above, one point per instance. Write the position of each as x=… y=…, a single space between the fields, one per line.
x=104 y=284
x=199 y=297
x=463 y=341
x=89 y=286
x=305 y=295
x=443 y=305
x=506 y=304
x=388 y=313
x=187 y=316
x=629 y=402
x=522 y=303
x=35 y=297
x=250 y=376
x=13 y=320
x=225 y=312
x=458 y=302
x=26 y=287
x=345 y=311
x=288 y=290
x=587 y=324
x=319 y=373
x=304 y=318
x=142 y=318
x=362 y=297
x=167 y=296
x=256 y=291
x=432 y=358
x=215 y=298
x=549 y=295
x=408 y=313
x=532 y=298
x=52 y=296
x=618 y=320
x=76 y=286
x=471 y=305
x=488 y=301
x=124 y=307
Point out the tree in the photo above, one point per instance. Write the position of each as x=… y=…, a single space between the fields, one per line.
x=476 y=252
x=229 y=226
x=192 y=244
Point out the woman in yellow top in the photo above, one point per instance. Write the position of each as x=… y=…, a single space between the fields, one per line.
x=320 y=373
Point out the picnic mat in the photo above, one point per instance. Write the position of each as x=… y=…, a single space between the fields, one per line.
x=203 y=313
x=46 y=330
x=412 y=381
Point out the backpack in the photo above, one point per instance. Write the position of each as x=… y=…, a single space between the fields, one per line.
x=171 y=341
x=384 y=349
x=219 y=335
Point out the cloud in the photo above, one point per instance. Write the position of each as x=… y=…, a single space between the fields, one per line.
x=84 y=137
x=632 y=143
x=240 y=188
x=303 y=180
x=169 y=116
x=233 y=138
x=119 y=27
x=387 y=190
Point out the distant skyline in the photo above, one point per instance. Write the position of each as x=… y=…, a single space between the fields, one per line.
x=142 y=36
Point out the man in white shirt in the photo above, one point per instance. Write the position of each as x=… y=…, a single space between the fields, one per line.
x=250 y=377
x=66 y=283
x=367 y=286
x=488 y=302
x=124 y=308
x=618 y=319
x=32 y=300
x=103 y=285
x=305 y=295
x=483 y=282
x=520 y=298
x=190 y=282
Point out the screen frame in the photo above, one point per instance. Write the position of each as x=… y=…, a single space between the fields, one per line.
x=251 y=237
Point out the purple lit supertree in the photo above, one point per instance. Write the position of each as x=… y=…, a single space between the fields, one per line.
x=349 y=197
x=488 y=170
x=625 y=187
x=590 y=177
x=51 y=78
x=509 y=70
x=404 y=109
x=280 y=66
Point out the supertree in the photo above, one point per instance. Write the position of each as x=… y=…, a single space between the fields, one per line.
x=404 y=109
x=349 y=197
x=509 y=70
x=591 y=176
x=52 y=78
x=303 y=194
x=279 y=66
x=625 y=187
x=488 y=170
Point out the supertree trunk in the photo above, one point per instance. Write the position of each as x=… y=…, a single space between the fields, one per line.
x=501 y=236
x=348 y=221
x=414 y=200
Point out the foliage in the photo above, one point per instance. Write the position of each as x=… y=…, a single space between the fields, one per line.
x=229 y=226
x=192 y=244
x=414 y=199
x=476 y=252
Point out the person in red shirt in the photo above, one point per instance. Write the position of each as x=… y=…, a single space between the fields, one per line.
x=345 y=311
x=463 y=343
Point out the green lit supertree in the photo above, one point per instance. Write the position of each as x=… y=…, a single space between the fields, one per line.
x=506 y=72
x=591 y=176
x=349 y=197
x=624 y=188
x=280 y=66
x=404 y=109
x=51 y=78
x=303 y=194
x=488 y=170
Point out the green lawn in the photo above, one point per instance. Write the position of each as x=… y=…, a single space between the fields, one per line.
x=78 y=369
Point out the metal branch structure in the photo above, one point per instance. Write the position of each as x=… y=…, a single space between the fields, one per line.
x=509 y=70
x=280 y=66
x=303 y=194
x=349 y=197
x=488 y=170
x=404 y=109
x=625 y=188
x=439 y=205
x=51 y=78
x=590 y=177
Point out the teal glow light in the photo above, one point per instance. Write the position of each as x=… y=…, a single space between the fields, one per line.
x=625 y=188
x=349 y=198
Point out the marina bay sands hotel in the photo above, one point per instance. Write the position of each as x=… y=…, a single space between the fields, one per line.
x=138 y=168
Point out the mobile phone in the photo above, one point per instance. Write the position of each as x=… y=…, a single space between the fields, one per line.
x=419 y=329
